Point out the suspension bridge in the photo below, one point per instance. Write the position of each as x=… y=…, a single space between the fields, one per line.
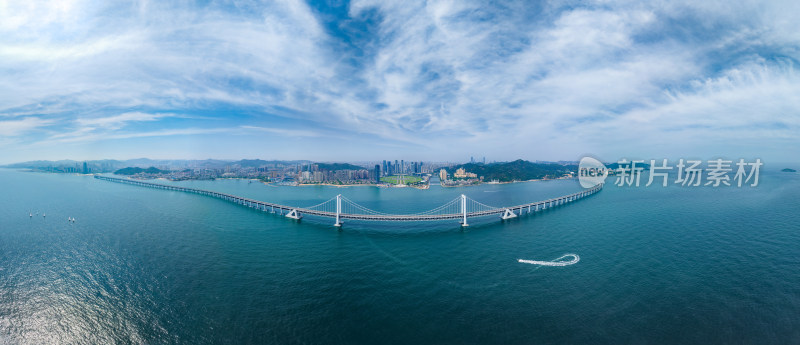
x=341 y=208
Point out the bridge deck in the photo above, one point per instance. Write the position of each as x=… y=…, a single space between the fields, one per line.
x=267 y=206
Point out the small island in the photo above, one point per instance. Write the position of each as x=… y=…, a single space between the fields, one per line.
x=789 y=170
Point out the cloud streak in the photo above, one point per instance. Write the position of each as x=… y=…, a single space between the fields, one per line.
x=119 y=121
x=16 y=128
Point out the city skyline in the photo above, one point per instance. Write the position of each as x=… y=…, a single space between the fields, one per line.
x=432 y=81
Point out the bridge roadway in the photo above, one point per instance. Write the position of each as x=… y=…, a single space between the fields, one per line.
x=297 y=212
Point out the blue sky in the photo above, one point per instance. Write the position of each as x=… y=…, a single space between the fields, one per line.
x=364 y=80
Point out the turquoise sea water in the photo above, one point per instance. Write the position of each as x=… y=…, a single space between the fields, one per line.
x=657 y=265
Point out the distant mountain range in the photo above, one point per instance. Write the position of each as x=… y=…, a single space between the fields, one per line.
x=518 y=170
x=338 y=166
x=110 y=165
x=615 y=166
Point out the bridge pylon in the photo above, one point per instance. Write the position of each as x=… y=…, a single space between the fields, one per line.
x=464 y=210
x=338 y=210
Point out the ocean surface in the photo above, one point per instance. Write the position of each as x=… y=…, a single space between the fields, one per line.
x=146 y=266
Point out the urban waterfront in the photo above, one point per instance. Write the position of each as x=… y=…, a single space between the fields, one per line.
x=142 y=265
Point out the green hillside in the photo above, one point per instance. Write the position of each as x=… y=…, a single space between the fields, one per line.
x=518 y=170
x=338 y=166
x=136 y=170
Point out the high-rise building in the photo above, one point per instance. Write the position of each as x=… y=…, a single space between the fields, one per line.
x=471 y=159
x=443 y=175
x=402 y=167
x=377 y=173
x=85 y=168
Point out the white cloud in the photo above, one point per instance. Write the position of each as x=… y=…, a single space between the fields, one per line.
x=582 y=79
x=15 y=128
x=456 y=76
x=119 y=121
x=162 y=57
x=82 y=137
x=283 y=132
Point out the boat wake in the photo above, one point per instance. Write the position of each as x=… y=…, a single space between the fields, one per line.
x=557 y=262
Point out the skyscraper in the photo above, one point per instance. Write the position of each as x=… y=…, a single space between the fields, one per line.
x=377 y=173
x=85 y=168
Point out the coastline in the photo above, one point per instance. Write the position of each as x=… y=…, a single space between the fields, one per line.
x=424 y=187
x=337 y=185
x=509 y=182
x=358 y=185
